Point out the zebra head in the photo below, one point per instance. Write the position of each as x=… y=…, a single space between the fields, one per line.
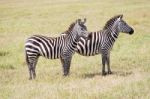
x=123 y=26
x=80 y=28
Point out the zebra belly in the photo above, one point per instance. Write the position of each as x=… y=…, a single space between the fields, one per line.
x=88 y=53
x=93 y=54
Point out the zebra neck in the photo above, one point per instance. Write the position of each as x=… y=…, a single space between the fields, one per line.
x=72 y=40
x=114 y=33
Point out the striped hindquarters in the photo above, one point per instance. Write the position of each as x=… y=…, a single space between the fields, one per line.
x=43 y=46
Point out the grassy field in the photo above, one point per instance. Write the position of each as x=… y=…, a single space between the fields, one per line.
x=130 y=57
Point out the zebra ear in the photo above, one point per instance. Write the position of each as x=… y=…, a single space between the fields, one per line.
x=84 y=21
x=121 y=16
x=78 y=21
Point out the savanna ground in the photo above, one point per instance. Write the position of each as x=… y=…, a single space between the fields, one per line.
x=130 y=57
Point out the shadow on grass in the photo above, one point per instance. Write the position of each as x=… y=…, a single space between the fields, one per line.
x=116 y=73
x=91 y=75
x=123 y=73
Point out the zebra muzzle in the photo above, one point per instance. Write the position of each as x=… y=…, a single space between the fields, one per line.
x=131 y=32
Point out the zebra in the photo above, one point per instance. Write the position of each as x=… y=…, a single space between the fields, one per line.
x=62 y=47
x=101 y=42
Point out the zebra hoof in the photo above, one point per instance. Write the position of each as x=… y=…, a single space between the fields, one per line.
x=104 y=73
x=66 y=74
x=34 y=76
x=109 y=72
x=30 y=78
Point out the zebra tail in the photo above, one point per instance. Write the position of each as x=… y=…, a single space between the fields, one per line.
x=26 y=56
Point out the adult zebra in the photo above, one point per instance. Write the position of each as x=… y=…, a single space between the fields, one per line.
x=102 y=41
x=62 y=47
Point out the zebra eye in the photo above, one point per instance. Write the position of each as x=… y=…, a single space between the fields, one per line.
x=82 y=28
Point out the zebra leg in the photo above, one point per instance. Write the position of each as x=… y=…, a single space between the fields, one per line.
x=66 y=66
x=103 y=64
x=108 y=64
x=29 y=66
x=32 y=65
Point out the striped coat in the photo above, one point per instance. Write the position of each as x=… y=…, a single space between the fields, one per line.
x=62 y=47
x=102 y=41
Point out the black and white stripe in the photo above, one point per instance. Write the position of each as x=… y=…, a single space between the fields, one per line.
x=39 y=45
x=102 y=41
x=53 y=48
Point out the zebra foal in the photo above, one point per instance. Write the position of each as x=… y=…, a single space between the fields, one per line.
x=62 y=47
x=102 y=41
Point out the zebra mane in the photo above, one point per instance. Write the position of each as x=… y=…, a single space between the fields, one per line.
x=70 y=28
x=111 y=21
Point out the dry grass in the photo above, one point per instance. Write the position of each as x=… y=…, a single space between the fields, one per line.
x=130 y=58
